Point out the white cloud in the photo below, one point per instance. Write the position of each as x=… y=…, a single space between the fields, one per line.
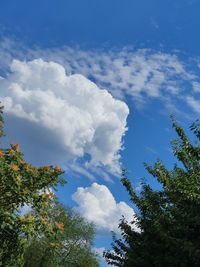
x=196 y=87
x=142 y=74
x=138 y=73
x=193 y=103
x=79 y=116
x=97 y=204
x=99 y=252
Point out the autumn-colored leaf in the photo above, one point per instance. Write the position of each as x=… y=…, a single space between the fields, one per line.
x=59 y=225
x=14 y=167
x=15 y=147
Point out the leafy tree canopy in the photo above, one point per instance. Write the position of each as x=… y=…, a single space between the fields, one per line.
x=169 y=219
x=70 y=247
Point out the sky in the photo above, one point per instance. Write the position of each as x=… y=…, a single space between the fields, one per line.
x=90 y=85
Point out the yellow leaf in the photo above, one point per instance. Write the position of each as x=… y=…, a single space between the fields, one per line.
x=14 y=167
x=15 y=147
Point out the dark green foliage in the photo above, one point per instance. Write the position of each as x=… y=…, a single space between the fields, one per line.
x=169 y=219
x=71 y=247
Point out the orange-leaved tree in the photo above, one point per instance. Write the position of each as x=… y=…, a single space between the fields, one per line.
x=22 y=185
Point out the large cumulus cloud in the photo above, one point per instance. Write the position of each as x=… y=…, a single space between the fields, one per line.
x=80 y=117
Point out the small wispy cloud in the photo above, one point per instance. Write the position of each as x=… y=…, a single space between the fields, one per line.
x=151 y=150
x=194 y=104
x=196 y=87
x=154 y=23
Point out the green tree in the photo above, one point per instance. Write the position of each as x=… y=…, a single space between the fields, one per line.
x=169 y=219
x=72 y=246
x=22 y=184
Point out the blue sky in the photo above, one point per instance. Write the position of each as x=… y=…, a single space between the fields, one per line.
x=171 y=24
x=145 y=54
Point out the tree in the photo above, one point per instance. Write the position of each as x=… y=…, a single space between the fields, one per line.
x=169 y=219
x=22 y=184
x=70 y=247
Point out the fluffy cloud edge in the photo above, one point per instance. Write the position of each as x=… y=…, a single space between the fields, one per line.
x=97 y=204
